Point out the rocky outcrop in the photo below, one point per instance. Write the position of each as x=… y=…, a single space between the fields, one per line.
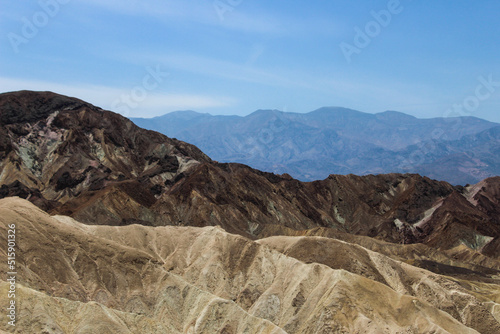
x=60 y=150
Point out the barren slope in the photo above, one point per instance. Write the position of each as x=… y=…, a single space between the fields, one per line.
x=76 y=278
x=469 y=300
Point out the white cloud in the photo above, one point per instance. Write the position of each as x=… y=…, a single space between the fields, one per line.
x=221 y=68
x=244 y=71
x=154 y=104
x=203 y=12
x=366 y=94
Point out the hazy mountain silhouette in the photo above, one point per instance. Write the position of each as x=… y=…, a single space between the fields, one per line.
x=340 y=141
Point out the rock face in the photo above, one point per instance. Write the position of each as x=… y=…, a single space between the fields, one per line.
x=57 y=149
x=142 y=233
x=311 y=146
x=77 y=278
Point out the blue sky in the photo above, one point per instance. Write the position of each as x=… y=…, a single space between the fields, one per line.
x=146 y=58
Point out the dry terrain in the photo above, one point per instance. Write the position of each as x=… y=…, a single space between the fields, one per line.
x=124 y=230
x=77 y=278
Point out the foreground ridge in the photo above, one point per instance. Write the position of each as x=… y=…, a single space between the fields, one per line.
x=136 y=278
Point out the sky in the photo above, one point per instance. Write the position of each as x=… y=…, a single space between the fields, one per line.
x=231 y=57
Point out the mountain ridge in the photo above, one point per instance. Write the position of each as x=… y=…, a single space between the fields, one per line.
x=89 y=163
x=334 y=140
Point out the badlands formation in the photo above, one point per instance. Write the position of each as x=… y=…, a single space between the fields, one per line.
x=124 y=230
x=78 y=278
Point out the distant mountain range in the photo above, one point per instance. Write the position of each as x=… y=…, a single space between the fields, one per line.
x=335 y=140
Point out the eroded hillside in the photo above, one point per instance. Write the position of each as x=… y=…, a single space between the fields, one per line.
x=76 y=278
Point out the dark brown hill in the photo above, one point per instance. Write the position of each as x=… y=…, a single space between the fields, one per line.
x=70 y=157
x=55 y=149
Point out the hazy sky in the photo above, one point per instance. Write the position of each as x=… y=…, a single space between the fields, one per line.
x=149 y=57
